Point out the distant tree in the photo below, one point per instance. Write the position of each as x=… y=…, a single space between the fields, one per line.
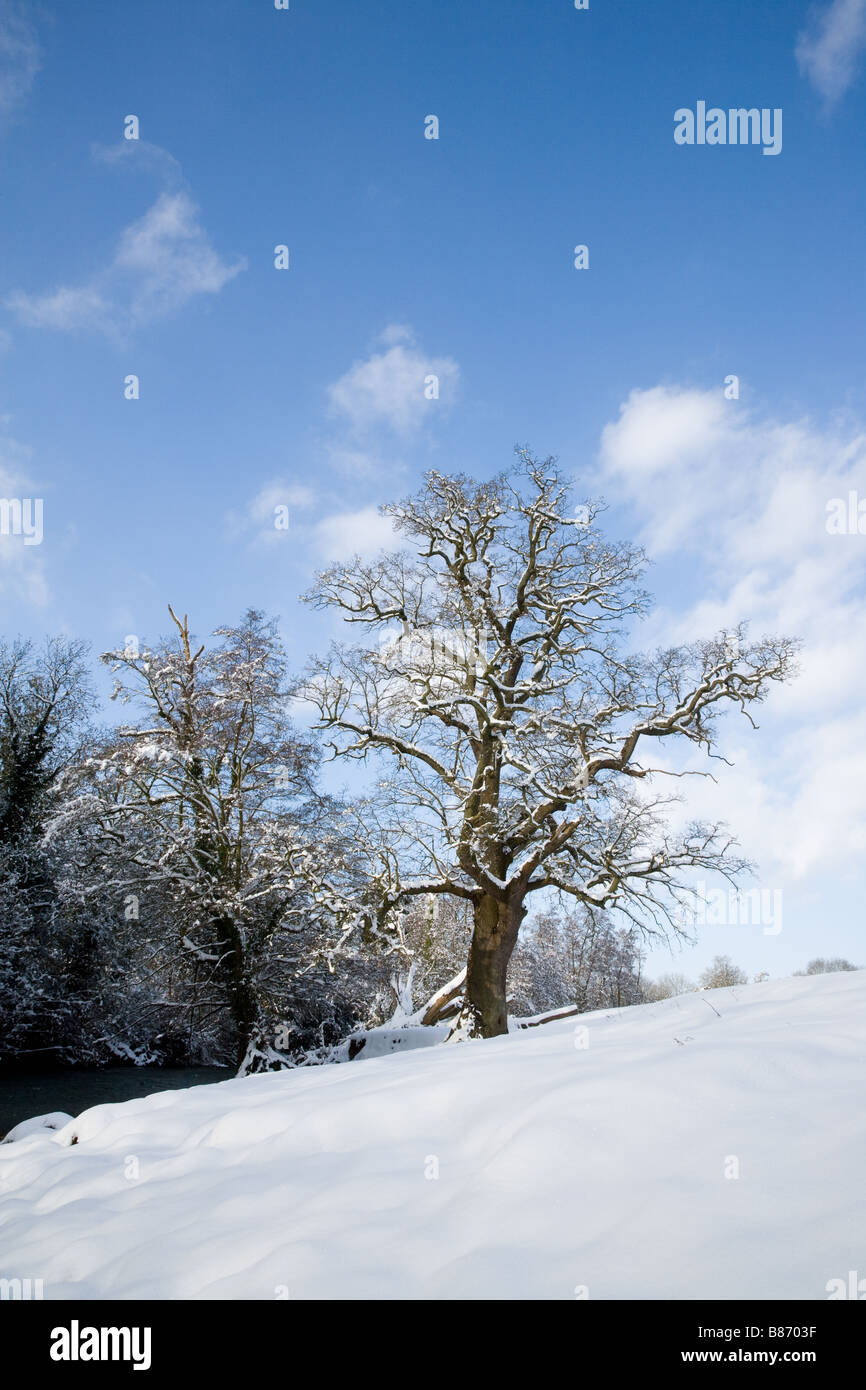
x=495 y=683
x=667 y=987
x=575 y=956
x=426 y=948
x=819 y=966
x=721 y=972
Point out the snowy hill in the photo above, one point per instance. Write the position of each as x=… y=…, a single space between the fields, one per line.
x=601 y=1159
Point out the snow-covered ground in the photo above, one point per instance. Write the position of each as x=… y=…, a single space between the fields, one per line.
x=588 y=1157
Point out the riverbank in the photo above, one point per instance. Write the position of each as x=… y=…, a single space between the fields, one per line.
x=75 y=1089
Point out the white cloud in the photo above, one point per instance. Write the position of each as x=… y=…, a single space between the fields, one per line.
x=741 y=503
x=658 y=428
x=794 y=800
x=278 y=493
x=140 y=156
x=19 y=56
x=163 y=260
x=277 y=499
x=830 y=47
x=334 y=536
x=170 y=258
x=362 y=533
x=66 y=309
x=396 y=333
x=392 y=387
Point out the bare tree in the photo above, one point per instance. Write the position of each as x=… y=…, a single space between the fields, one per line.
x=667 y=987
x=575 y=957
x=495 y=681
x=820 y=966
x=722 y=972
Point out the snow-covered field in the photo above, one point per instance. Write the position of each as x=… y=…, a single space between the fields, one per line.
x=590 y=1157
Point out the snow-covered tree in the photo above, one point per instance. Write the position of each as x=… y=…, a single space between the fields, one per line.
x=575 y=957
x=422 y=954
x=210 y=819
x=495 y=681
x=45 y=704
x=45 y=700
x=722 y=972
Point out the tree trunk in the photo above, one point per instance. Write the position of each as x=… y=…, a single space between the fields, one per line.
x=242 y=999
x=494 y=936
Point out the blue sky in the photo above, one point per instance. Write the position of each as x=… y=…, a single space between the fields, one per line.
x=454 y=256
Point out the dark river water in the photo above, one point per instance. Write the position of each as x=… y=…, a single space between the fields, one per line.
x=22 y=1097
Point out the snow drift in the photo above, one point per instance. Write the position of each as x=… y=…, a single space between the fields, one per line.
x=710 y=1146
x=40 y=1124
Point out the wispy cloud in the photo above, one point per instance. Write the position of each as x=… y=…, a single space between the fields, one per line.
x=140 y=157
x=67 y=308
x=162 y=261
x=20 y=55
x=279 y=514
x=363 y=532
x=829 y=49
x=391 y=392
x=269 y=518
x=399 y=387
x=743 y=504
x=350 y=461
x=169 y=258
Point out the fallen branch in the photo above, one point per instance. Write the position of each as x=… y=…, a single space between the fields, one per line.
x=434 y=1008
x=567 y=1012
